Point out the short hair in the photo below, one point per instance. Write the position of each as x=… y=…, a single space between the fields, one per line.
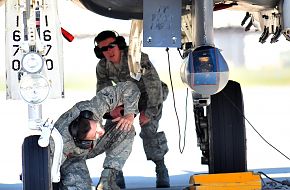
x=104 y=35
x=79 y=128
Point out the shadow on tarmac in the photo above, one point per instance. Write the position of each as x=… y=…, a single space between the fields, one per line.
x=178 y=182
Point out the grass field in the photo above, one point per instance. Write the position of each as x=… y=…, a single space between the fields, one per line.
x=265 y=77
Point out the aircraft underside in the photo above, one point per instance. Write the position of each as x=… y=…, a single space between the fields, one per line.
x=218 y=102
x=133 y=9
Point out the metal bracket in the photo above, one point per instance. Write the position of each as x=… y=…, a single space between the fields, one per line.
x=162 y=23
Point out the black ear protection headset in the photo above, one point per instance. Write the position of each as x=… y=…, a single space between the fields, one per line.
x=120 y=41
x=74 y=130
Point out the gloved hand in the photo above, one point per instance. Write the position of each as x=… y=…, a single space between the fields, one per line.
x=117 y=112
x=143 y=119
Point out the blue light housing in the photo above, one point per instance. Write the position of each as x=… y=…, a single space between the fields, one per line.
x=205 y=71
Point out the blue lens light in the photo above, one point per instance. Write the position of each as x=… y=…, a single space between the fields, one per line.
x=205 y=71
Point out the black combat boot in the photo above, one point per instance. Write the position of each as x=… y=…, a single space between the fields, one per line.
x=108 y=180
x=162 y=177
x=120 y=180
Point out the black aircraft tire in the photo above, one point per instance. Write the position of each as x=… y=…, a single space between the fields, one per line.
x=227 y=133
x=35 y=165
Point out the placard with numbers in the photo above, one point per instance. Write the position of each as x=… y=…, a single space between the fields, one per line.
x=19 y=14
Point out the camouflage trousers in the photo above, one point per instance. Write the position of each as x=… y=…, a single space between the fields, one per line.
x=154 y=143
x=115 y=143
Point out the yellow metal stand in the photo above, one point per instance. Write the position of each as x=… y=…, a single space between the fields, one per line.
x=226 y=181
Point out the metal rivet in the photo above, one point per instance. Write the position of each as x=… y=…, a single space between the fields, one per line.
x=149 y=39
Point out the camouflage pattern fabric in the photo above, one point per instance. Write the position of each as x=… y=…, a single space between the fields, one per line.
x=153 y=93
x=154 y=143
x=108 y=180
x=116 y=143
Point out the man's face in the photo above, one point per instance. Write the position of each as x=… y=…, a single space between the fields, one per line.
x=96 y=131
x=110 y=50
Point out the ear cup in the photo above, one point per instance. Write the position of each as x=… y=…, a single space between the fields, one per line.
x=87 y=114
x=121 y=42
x=98 y=52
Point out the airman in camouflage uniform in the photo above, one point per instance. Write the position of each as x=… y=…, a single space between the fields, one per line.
x=113 y=68
x=115 y=141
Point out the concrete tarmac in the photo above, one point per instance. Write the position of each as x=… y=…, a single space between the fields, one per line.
x=266 y=111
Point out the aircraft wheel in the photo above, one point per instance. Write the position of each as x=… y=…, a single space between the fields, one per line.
x=227 y=134
x=35 y=165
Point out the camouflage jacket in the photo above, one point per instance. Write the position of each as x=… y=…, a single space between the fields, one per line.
x=126 y=93
x=150 y=85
